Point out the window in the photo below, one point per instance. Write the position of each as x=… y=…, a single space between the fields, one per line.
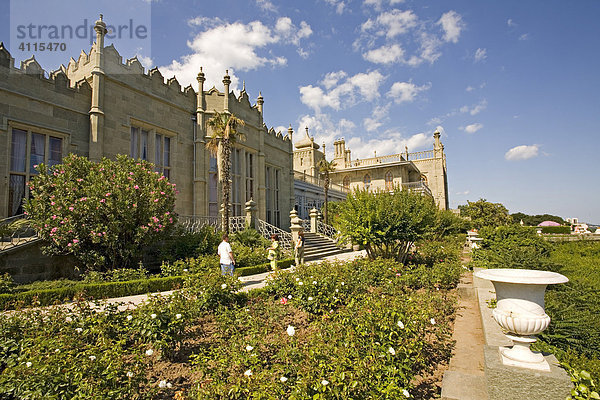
x=249 y=176
x=162 y=156
x=139 y=143
x=367 y=181
x=277 y=214
x=27 y=150
x=213 y=202
x=346 y=182
x=389 y=181
x=268 y=194
x=236 y=182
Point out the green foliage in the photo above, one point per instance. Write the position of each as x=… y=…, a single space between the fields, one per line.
x=534 y=220
x=386 y=223
x=485 y=214
x=511 y=246
x=584 y=386
x=246 y=256
x=116 y=275
x=448 y=223
x=363 y=334
x=251 y=238
x=561 y=230
x=46 y=297
x=181 y=244
x=192 y=265
x=103 y=213
x=6 y=283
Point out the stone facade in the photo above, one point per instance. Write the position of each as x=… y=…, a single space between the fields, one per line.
x=99 y=106
x=424 y=171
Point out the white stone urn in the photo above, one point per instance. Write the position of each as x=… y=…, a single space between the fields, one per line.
x=520 y=311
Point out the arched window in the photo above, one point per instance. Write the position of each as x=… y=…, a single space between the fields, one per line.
x=389 y=181
x=424 y=178
x=347 y=182
x=367 y=181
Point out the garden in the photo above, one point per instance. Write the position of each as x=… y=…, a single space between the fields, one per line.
x=371 y=328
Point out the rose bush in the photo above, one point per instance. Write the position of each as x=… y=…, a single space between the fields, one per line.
x=102 y=213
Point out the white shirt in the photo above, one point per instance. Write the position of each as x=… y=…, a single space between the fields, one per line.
x=223 y=251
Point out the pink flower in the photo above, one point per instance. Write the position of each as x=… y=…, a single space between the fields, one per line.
x=108 y=194
x=75 y=240
x=69 y=245
x=171 y=220
x=156 y=200
x=135 y=205
x=54 y=229
x=79 y=180
x=283 y=301
x=53 y=217
x=136 y=187
x=52 y=203
x=131 y=173
x=162 y=192
x=71 y=208
x=103 y=201
x=83 y=199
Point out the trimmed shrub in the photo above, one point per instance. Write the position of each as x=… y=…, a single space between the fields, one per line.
x=556 y=229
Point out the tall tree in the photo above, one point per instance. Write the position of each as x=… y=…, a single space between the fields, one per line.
x=326 y=167
x=483 y=213
x=225 y=133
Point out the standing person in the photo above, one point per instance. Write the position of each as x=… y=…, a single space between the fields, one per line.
x=273 y=254
x=299 y=249
x=226 y=253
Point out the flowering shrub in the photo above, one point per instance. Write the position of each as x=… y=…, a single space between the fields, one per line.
x=103 y=213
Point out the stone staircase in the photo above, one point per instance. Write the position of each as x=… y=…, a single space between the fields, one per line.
x=317 y=246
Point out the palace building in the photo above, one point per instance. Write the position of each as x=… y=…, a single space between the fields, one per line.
x=423 y=171
x=99 y=106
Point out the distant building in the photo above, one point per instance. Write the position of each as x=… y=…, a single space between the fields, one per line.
x=423 y=171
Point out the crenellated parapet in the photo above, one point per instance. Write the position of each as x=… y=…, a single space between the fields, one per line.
x=57 y=80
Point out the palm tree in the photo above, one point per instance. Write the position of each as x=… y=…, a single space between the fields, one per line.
x=225 y=133
x=325 y=167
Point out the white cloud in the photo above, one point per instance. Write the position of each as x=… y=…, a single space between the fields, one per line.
x=475 y=109
x=234 y=46
x=341 y=95
x=339 y=6
x=406 y=92
x=266 y=5
x=469 y=88
x=524 y=36
x=332 y=78
x=452 y=25
x=389 y=142
x=466 y=192
x=511 y=23
x=473 y=127
x=378 y=4
x=290 y=33
x=385 y=54
x=378 y=116
x=522 y=152
x=480 y=55
x=391 y=23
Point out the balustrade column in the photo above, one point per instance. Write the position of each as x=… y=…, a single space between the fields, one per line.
x=295 y=226
x=251 y=212
x=314 y=214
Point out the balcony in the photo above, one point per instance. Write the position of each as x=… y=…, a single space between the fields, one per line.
x=319 y=182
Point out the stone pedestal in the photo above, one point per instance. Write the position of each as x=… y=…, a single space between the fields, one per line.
x=251 y=211
x=313 y=214
x=509 y=383
x=295 y=226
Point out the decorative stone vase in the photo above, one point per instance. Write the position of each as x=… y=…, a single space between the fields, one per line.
x=520 y=311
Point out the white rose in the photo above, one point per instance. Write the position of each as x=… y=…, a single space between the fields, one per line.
x=283 y=379
x=28 y=364
x=224 y=286
x=400 y=325
x=392 y=351
x=153 y=316
x=149 y=352
x=405 y=393
x=291 y=331
x=177 y=316
x=93 y=358
x=249 y=348
x=129 y=318
x=432 y=320
x=162 y=384
x=324 y=382
x=248 y=373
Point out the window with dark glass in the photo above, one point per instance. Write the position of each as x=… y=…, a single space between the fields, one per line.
x=27 y=150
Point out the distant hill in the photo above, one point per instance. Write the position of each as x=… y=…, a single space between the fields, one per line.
x=533 y=220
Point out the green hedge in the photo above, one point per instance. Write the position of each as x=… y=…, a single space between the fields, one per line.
x=259 y=269
x=555 y=229
x=90 y=290
x=107 y=290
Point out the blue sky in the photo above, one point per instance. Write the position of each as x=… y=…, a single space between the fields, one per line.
x=513 y=86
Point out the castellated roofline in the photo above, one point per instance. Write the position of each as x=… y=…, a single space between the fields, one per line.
x=32 y=68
